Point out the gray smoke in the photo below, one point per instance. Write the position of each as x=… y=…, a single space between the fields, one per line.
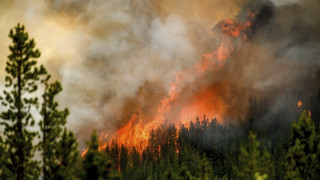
x=114 y=56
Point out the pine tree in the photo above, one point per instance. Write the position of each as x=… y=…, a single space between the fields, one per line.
x=123 y=159
x=21 y=81
x=171 y=174
x=4 y=171
x=231 y=159
x=51 y=126
x=249 y=162
x=135 y=157
x=303 y=149
x=205 y=170
x=267 y=166
x=153 y=146
x=67 y=158
x=136 y=162
x=279 y=155
x=96 y=164
x=115 y=153
x=169 y=148
x=146 y=163
x=316 y=165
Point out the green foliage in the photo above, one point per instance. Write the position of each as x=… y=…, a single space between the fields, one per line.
x=21 y=81
x=96 y=164
x=4 y=171
x=68 y=162
x=248 y=159
x=260 y=177
x=251 y=162
x=267 y=166
x=60 y=152
x=51 y=126
x=303 y=150
x=170 y=174
x=231 y=159
x=279 y=155
x=204 y=171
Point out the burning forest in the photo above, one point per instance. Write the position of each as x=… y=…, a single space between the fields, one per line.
x=183 y=104
x=171 y=89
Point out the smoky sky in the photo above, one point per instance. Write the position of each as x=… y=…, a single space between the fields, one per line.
x=114 y=56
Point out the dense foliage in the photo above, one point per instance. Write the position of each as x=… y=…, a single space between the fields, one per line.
x=181 y=154
x=22 y=78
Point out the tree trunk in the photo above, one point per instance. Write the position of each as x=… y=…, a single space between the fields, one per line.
x=45 y=173
x=19 y=123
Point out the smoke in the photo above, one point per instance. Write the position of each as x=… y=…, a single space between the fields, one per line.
x=279 y=61
x=116 y=57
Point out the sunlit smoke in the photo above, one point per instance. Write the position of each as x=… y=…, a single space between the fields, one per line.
x=130 y=66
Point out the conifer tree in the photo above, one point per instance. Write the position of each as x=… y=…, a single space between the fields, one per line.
x=301 y=156
x=135 y=158
x=316 y=165
x=96 y=164
x=21 y=82
x=115 y=153
x=205 y=170
x=4 y=171
x=153 y=146
x=266 y=166
x=279 y=156
x=68 y=158
x=123 y=159
x=249 y=160
x=171 y=174
x=51 y=126
x=231 y=159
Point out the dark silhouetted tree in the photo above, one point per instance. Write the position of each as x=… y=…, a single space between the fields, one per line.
x=4 y=171
x=51 y=126
x=67 y=158
x=123 y=159
x=96 y=165
x=21 y=82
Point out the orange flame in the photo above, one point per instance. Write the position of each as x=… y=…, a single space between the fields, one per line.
x=205 y=102
x=299 y=104
x=84 y=152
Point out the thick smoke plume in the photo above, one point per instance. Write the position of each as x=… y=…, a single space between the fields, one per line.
x=117 y=58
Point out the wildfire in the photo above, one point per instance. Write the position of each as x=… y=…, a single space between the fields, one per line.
x=299 y=104
x=204 y=102
x=309 y=112
x=84 y=152
x=232 y=28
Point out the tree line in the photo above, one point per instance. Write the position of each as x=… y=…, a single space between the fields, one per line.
x=203 y=150
x=208 y=150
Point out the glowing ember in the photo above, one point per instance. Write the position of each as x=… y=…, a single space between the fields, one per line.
x=251 y=14
x=309 y=112
x=84 y=152
x=299 y=104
